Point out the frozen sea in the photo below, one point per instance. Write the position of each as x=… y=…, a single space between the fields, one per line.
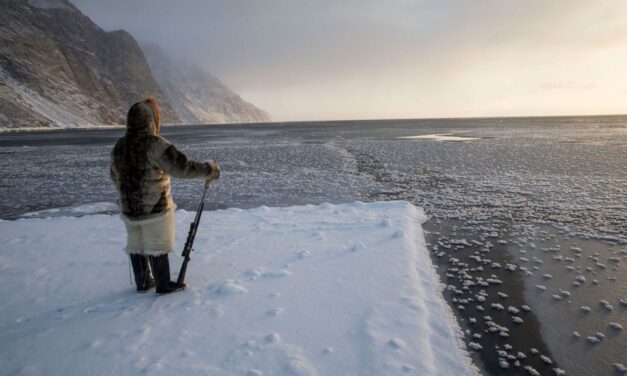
x=523 y=211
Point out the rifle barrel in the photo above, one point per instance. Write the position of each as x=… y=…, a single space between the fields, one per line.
x=191 y=235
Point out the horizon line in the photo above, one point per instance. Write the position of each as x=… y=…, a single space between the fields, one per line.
x=398 y=119
x=172 y=125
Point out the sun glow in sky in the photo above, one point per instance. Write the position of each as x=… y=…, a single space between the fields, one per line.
x=358 y=59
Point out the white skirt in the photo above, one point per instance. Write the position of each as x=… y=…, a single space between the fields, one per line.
x=151 y=237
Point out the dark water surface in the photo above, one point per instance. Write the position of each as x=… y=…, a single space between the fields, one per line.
x=514 y=203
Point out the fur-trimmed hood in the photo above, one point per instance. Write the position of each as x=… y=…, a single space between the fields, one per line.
x=144 y=118
x=142 y=162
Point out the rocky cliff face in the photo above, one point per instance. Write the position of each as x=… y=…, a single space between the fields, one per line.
x=196 y=96
x=57 y=68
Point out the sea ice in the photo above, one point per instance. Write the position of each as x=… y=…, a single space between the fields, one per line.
x=532 y=371
x=475 y=346
x=593 y=339
x=497 y=306
x=513 y=310
x=606 y=305
x=546 y=359
x=616 y=326
x=619 y=367
x=503 y=363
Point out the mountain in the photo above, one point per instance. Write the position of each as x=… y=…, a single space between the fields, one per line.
x=197 y=96
x=59 y=69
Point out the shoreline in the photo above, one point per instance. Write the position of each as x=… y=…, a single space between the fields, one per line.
x=330 y=122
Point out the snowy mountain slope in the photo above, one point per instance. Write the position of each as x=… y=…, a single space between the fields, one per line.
x=23 y=105
x=58 y=68
x=309 y=290
x=196 y=96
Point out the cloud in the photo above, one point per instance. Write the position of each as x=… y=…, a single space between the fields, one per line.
x=398 y=58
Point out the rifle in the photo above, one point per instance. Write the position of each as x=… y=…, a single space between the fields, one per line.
x=191 y=235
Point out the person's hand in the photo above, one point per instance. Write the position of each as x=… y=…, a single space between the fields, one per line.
x=215 y=170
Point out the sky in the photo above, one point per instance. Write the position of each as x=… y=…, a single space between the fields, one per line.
x=373 y=59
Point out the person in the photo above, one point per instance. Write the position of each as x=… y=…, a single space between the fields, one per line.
x=141 y=165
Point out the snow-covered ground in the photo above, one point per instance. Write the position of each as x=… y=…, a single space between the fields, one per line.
x=307 y=290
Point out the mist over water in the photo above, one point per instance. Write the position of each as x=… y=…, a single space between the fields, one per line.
x=521 y=194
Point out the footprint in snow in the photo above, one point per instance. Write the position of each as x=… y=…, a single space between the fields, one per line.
x=318 y=234
x=273 y=338
x=276 y=356
x=216 y=312
x=153 y=367
x=358 y=247
x=396 y=343
x=110 y=307
x=407 y=368
x=398 y=234
x=231 y=288
x=276 y=274
x=252 y=273
x=186 y=354
x=94 y=345
x=275 y=312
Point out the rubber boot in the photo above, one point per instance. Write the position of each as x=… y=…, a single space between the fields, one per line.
x=141 y=270
x=161 y=270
